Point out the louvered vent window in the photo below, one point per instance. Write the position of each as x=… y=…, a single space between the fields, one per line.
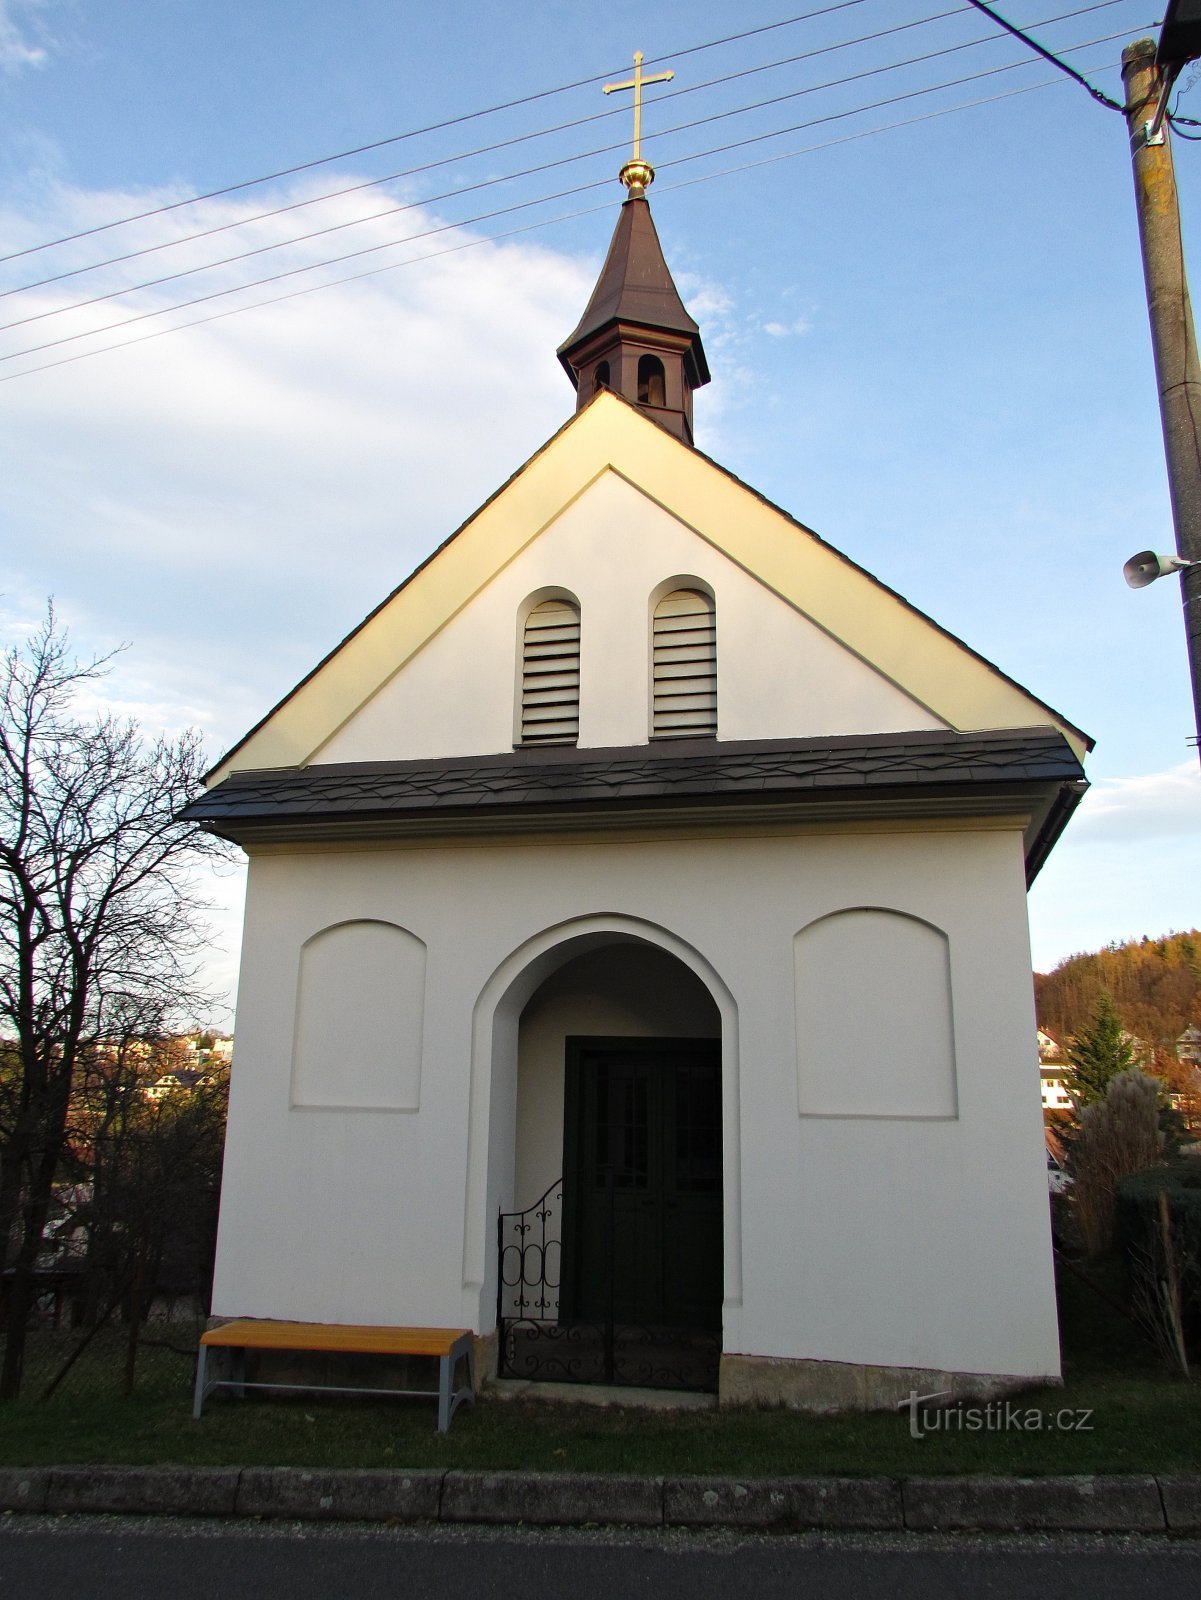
x=550 y=674
x=685 y=666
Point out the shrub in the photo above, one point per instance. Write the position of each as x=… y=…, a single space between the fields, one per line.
x=1119 y=1134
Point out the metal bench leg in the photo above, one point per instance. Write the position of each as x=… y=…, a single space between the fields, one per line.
x=445 y=1368
x=198 y=1398
x=448 y=1395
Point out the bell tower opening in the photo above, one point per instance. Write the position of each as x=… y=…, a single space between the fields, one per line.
x=636 y=337
x=652 y=382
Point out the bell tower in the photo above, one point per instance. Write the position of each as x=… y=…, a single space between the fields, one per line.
x=635 y=336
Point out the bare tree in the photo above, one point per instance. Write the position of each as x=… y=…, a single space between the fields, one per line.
x=101 y=921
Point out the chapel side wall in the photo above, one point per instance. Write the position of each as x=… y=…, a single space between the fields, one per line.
x=884 y=1240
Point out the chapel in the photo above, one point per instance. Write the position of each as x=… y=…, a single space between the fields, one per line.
x=636 y=967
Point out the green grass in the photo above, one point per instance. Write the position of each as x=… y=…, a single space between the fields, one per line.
x=1143 y=1420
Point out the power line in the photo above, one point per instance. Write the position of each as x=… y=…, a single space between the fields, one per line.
x=415 y=133
x=487 y=183
x=546 y=222
x=526 y=205
x=527 y=172
x=468 y=155
x=848 y=138
x=500 y=144
x=1102 y=99
x=912 y=94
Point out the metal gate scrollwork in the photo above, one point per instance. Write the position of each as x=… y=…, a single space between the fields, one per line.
x=535 y=1343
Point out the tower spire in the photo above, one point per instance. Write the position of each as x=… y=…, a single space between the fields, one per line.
x=635 y=336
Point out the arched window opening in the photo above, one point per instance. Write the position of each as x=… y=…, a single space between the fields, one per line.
x=600 y=378
x=684 y=647
x=652 y=384
x=550 y=674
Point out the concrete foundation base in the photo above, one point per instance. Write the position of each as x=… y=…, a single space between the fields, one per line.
x=832 y=1386
x=487 y=1347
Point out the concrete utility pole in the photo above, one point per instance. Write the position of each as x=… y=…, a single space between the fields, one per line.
x=1172 y=337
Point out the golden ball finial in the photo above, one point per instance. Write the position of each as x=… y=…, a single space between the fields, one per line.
x=637 y=175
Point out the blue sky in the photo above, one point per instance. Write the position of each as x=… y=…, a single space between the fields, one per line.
x=929 y=343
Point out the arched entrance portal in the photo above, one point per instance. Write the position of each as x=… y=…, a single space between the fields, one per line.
x=611 y=1107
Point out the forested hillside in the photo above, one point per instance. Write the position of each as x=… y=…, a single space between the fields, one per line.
x=1155 y=985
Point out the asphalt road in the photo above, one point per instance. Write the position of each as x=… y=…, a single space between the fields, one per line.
x=95 y=1558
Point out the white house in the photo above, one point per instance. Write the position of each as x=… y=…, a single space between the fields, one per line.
x=1048 y=1048
x=644 y=851
x=1055 y=1085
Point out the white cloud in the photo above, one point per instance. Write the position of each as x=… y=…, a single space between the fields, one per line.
x=233 y=499
x=1128 y=865
x=788 y=330
x=18 y=26
x=708 y=302
x=1144 y=808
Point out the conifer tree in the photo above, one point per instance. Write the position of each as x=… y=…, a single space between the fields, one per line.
x=1098 y=1054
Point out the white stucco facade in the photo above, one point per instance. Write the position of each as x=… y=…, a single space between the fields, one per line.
x=887 y=1236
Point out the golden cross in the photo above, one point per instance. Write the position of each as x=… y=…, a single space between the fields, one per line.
x=636 y=83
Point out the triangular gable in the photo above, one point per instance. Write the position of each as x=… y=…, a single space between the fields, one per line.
x=923 y=660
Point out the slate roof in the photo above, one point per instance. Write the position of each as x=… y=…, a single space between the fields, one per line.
x=682 y=773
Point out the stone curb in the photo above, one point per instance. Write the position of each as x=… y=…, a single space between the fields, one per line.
x=184 y=1491
x=1182 y=1503
x=357 y=1494
x=1118 y=1504
x=1121 y=1503
x=23 y=1488
x=548 y=1498
x=783 y=1505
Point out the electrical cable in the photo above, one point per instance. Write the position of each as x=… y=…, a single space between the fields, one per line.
x=546 y=222
x=433 y=127
x=504 y=144
x=487 y=183
x=525 y=205
x=468 y=155
x=1097 y=94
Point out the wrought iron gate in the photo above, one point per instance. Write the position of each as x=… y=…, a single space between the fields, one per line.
x=536 y=1342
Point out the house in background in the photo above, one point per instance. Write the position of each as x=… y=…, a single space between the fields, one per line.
x=644 y=866
x=1054 y=1084
x=1048 y=1048
x=1054 y=1074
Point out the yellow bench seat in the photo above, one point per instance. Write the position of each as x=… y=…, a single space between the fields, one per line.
x=231 y=1340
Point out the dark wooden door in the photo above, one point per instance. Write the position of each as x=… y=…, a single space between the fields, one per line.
x=642 y=1182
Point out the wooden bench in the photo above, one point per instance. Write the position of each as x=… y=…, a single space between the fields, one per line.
x=233 y=1339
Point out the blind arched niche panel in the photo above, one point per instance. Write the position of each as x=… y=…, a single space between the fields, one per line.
x=359 y=1009
x=874 y=1020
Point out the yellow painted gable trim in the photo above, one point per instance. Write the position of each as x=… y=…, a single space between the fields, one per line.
x=924 y=661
